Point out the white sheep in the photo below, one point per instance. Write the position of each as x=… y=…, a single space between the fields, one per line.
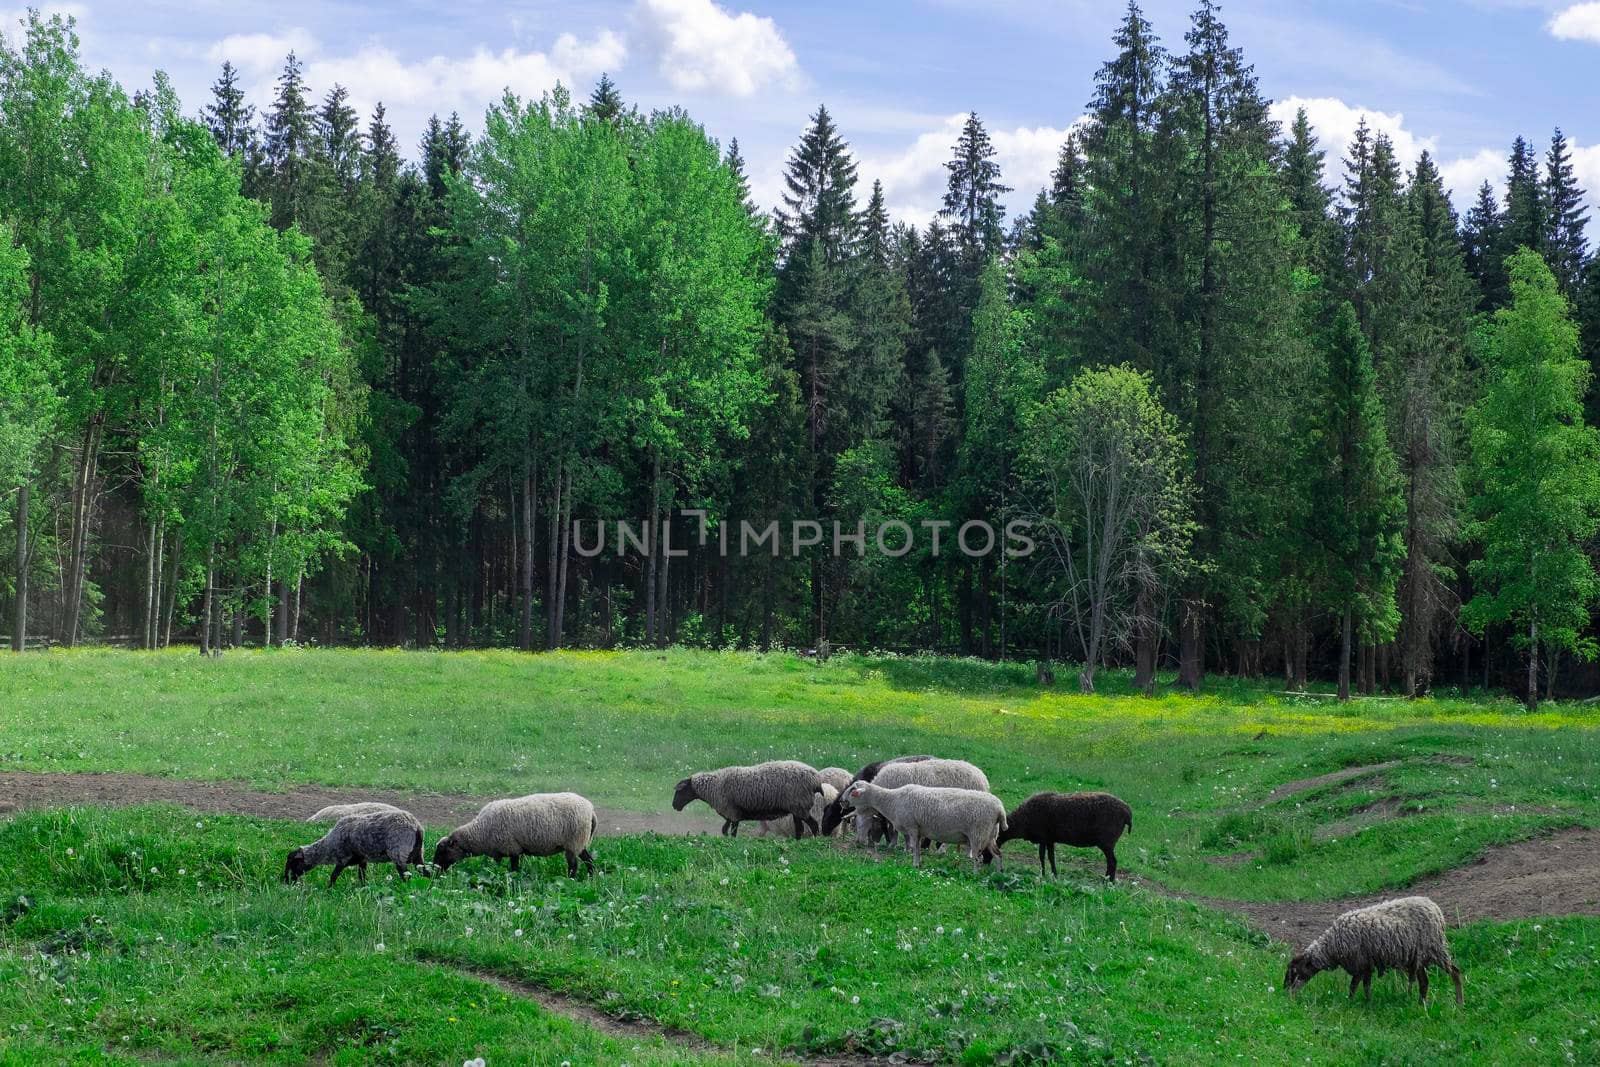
x=935 y=813
x=1405 y=935
x=540 y=824
x=765 y=791
x=943 y=773
x=335 y=812
x=357 y=840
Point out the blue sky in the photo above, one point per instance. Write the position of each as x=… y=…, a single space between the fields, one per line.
x=1461 y=78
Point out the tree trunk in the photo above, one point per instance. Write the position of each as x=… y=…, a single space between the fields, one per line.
x=566 y=561
x=282 y=621
x=530 y=515
x=299 y=599
x=1144 y=649
x=1346 y=626
x=209 y=603
x=82 y=505
x=172 y=590
x=551 y=576
x=652 y=549
x=1533 y=665
x=1191 y=646
x=19 y=618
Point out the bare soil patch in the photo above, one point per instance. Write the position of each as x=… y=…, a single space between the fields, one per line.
x=1557 y=874
x=1345 y=774
x=21 y=790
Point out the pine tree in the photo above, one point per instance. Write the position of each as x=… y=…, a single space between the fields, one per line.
x=734 y=161
x=1482 y=238
x=380 y=156
x=819 y=199
x=1526 y=210
x=229 y=117
x=875 y=229
x=339 y=136
x=605 y=103
x=1309 y=198
x=1566 y=214
x=972 y=198
x=1357 y=496
x=290 y=134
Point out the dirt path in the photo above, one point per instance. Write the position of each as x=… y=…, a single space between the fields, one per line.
x=21 y=790
x=1558 y=874
x=581 y=1011
x=1306 y=785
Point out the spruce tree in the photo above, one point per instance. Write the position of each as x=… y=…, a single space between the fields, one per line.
x=605 y=102
x=229 y=117
x=380 y=155
x=1482 y=239
x=339 y=137
x=1566 y=213
x=289 y=137
x=972 y=196
x=734 y=161
x=818 y=204
x=1526 y=212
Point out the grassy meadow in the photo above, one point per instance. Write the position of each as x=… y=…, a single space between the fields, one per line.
x=160 y=934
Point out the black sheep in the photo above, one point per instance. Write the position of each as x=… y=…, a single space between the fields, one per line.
x=834 y=813
x=1082 y=820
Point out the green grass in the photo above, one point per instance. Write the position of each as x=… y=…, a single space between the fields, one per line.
x=164 y=936
x=622 y=727
x=153 y=934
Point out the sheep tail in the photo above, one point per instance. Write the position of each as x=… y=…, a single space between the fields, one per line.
x=1130 y=822
x=416 y=850
x=594 y=826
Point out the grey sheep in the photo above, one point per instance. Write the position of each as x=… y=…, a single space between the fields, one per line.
x=837 y=777
x=764 y=791
x=936 y=813
x=785 y=826
x=1397 y=935
x=1082 y=820
x=944 y=773
x=357 y=840
x=540 y=824
x=335 y=812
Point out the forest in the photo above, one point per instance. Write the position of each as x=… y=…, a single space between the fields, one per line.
x=1268 y=406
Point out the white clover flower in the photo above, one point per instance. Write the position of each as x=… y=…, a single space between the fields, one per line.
x=517 y=932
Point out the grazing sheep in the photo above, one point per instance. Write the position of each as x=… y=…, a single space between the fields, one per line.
x=936 y=813
x=335 y=812
x=833 y=814
x=1082 y=820
x=764 y=791
x=541 y=824
x=784 y=827
x=357 y=840
x=1397 y=935
x=837 y=777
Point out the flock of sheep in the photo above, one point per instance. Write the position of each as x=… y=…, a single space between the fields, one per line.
x=919 y=800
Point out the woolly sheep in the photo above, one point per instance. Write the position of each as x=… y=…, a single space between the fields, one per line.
x=936 y=813
x=1406 y=935
x=1082 y=820
x=357 y=840
x=943 y=773
x=540 y=824
x=837 y=777
x=785 y=826
x=335 y=812
x=765 y=791
x=833 y=814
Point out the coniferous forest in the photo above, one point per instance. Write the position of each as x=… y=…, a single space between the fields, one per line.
x=1268 y=406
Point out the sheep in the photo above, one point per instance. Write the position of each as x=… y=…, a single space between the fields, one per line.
x=540 y=824
x=936 y=813
x=765 y=791
x=335 y=812
x=785 y=826
x=944 y=773
x=837 y=777
x=1082 y=820
x=1406 y=934
x=833 y=814
x=377 y=837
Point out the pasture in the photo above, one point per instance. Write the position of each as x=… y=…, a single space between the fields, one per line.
x=159 y=932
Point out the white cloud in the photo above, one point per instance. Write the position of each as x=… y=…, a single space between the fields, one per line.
x=1335 y=121
x=257 y=53
x=1580 y=22
x=914 y=179
x=702 y=47
x=1463 y=176
x=12 y=19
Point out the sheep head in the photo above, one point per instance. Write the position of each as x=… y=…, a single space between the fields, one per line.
x=683 y=794
x=1301 y=970
x=295 y=866
x=447 y=852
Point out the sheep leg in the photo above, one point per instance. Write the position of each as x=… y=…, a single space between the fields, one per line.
x=400 y=869
x=1053 y=872
x=1041 y=859
x=338 y=869
x=588 y=860
x=1455 y=976
x=516 y=864
x=1422 y=985
x=1366 y=986
x=572 y=864
x=816 y=827
x=361 y=872
x=1355 y=983
x=725 y=824
x=799 y=825
x=916 y=849
x=733 y=828
x=1111 y=863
